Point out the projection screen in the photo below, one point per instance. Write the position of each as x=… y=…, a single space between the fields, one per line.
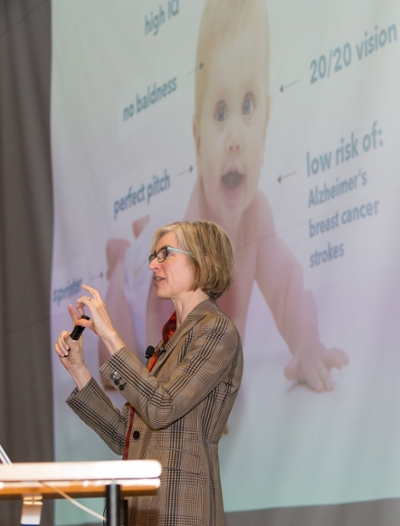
x=311 y=202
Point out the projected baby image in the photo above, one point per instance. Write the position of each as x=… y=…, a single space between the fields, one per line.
x=232 y=105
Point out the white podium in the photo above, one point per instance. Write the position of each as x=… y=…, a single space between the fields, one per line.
x=114 y=479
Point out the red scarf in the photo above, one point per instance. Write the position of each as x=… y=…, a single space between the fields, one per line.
x=169 y=328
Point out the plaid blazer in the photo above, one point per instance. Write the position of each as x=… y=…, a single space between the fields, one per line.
x=182 y=407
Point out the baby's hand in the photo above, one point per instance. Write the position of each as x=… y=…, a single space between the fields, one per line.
x=312 y=365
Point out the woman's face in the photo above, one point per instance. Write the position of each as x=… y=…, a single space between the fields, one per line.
x=173 y=277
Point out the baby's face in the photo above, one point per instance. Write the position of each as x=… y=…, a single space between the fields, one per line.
x=230 y=131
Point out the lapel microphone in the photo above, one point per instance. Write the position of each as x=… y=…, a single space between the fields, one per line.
x=149 y=352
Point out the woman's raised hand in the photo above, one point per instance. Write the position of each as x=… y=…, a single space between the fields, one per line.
x=100 y=321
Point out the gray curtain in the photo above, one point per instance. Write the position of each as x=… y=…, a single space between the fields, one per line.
x=26 y=428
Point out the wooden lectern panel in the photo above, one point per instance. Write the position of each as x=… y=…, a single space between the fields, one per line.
x=79 y=479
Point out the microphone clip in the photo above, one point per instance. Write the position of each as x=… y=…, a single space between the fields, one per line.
x=149 y=352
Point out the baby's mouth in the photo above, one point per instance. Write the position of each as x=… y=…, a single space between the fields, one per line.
x=232 y=180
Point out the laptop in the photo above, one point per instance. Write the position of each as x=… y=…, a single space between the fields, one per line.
x=4 y=457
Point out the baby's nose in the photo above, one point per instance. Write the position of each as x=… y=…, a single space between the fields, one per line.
x=234 y=144
x=234 y=139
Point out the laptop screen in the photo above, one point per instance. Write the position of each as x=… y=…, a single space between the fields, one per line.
x=4 y=457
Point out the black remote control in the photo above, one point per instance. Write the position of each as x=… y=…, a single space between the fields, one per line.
x=78 y=329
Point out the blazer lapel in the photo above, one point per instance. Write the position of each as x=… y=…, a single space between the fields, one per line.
x=199 y=312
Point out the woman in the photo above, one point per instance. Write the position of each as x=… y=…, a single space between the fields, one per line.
x=177 y=412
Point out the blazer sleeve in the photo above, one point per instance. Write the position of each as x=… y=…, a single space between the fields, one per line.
x=94 y=407
x=212 y=357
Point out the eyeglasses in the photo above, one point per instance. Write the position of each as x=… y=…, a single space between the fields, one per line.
x=162 y=254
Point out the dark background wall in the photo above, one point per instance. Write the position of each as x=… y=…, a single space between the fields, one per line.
x=26 y=429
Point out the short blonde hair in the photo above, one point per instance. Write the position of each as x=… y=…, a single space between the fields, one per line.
x=211 y=254
x=222 y=19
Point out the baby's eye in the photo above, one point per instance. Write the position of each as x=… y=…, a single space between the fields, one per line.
x=221 y=112
x=248 y=105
